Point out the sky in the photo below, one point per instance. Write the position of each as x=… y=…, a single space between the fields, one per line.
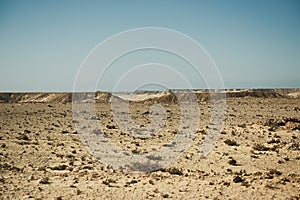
x=43 y=43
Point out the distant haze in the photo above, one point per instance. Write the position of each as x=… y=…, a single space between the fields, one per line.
x=255 y=44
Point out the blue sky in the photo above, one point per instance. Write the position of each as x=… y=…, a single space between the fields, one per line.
x=255 y=44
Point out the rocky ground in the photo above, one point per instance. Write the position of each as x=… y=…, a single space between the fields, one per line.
x=257 y=155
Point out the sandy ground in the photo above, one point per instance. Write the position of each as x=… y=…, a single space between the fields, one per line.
x=256 y=157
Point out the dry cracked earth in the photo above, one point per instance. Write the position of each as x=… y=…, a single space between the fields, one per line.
x=257 y=155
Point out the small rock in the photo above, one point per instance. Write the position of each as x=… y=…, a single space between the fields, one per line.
x=226 y=183
x=44 y=180
x=286 y=158
x=285 y=180
x=30 y=178
x=281 y=161
x=156 y=190
x=133 y=181
x=93 y=118
x=233 y=162
x=136 y=151
x=97 y=131
x=245 y=183
x=274 y=172
x=242 y=125
x=78 y=192
x=230 y=142
x=188 y=156
x=238 y=179
x=111 y=126
x=23 y=137
x=260 y=147
x=146 y=113
x=59 y=167
x=273 y=140
x=108 y=181
x=174 y=170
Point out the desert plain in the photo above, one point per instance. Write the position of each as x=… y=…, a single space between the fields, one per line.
x=256 y=156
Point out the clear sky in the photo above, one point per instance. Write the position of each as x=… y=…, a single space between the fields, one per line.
x=255 y=44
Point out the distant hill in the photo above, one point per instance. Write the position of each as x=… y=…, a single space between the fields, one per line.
x=148 y=96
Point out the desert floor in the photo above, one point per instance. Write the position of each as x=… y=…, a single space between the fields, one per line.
x=257 y=155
